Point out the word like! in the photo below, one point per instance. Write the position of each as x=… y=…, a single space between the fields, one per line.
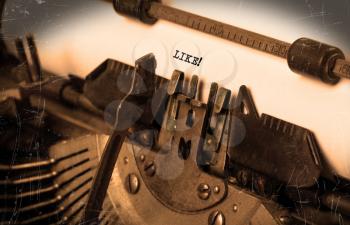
x=182 y=56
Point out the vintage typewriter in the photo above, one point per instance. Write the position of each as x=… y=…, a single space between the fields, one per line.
x=126 y=146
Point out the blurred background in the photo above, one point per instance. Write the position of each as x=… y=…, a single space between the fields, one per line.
x=74 y=37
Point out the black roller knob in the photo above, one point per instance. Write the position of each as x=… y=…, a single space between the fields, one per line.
x=135 y=8
x=309 y=57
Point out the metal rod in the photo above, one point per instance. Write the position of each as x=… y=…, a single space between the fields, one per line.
x=342 y=69
x=78 y=117
x=23 y=58
x=37 y=71
x=221 y=30
x=234 y=34
x=102 y=177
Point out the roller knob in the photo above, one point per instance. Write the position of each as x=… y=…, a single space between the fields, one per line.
x=135 y=8
x=312 y=58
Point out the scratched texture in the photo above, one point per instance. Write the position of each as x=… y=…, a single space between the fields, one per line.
x=326 y=17
x=329 y=19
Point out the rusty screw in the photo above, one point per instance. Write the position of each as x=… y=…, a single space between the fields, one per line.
x=204 y=191
x=132 y=183
x=216 y=218
x=150 y=168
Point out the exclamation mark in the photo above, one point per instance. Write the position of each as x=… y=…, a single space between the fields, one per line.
x=200 y=61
